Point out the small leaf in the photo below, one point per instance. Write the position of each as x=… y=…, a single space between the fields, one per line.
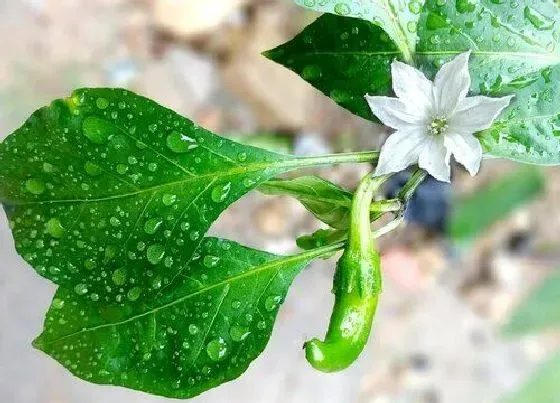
x=345 y=58
x=540 y=311
x=109 y=193
x=327 y=201
x=486 y=206
x=542 y=387
x=201 y=332
x=320 y=238
x=396 y=17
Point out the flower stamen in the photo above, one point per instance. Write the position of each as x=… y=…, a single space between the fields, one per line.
x=438 y=126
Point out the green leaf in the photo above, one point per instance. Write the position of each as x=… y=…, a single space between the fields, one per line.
x=203 y=331
x=327 y=201
x=398 y=18
x=514 y=50
x=345 y=58
x=540 y=311
x=108 y=193
x=477 y=212
x=542 y=387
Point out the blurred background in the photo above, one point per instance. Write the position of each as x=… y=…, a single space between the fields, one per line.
x=472 y=287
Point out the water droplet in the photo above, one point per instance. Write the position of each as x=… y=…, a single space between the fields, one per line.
x=151 y=226
x=239 y=333
x=217 y=349
x=102 y=103
x=81 y=289
x=236 y=304
x=134 y=293
x=194 y=235
x=169 y=199
x=122 y=169
x=261 y=325
x=58 y=303
x=48 y=168
x=34 y=186
x=193 y=329
x=152 y=167
x=537 y=19
x=92 y=169
x=155 y=253
x=272 y=302
x=342 y=9
x=179 y=143
x=97 y=130
x=210 y=261
x=119 y=276
x=94 y=297
x=221 y=192
x=54 y=228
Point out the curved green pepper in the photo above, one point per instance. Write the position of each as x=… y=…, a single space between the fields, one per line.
x=357 y=285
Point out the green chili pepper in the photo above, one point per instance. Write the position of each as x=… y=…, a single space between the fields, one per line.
x=357 y=285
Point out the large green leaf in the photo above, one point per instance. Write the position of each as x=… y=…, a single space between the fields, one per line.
x=398 y=18
x=110 y=194
x=540 y=311
x=203 y=331
x=477 y=212
x=542 y=387
x=327 y=201
x=345 y=58
x=514 y=50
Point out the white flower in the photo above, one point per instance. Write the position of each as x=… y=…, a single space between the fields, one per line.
x=434 y=120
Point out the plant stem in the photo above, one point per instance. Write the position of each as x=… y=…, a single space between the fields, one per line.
x=331 y=159
x=410 y=187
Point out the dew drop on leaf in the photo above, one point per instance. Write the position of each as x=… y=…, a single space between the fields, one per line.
x=239 y=333
x=169 y=199
x=54 y=228
x=211 y=261
x=35 y=186
x=92 y=169
x=155 y=253
x=217 y=349
x=221 y=192
x=119 y=276
x=272 y=302
x=81 y=289
x=134 y=293
x=152 y=225
x=180 y=143
x=193 y=329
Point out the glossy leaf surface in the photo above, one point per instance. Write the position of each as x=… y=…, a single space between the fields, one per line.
x=109 y=193
x=398 y=18
x=203 y=331
x=540 y=311
x=345 y=58
x=514 y=51
x=327 y=201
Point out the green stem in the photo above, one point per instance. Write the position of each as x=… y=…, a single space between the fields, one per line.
x=410 y=187
x=360 y=212
x=332 y=159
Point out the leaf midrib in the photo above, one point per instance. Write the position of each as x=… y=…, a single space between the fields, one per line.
x=256 y=270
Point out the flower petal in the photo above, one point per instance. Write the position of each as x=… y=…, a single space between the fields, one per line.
x=400 y=150
x=393 y=113
x=477 y=113
x=466 y=149
x=412 y=87
x=452 y=83
x=435 y=159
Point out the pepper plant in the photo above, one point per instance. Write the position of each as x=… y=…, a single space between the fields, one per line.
x=110 y=195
